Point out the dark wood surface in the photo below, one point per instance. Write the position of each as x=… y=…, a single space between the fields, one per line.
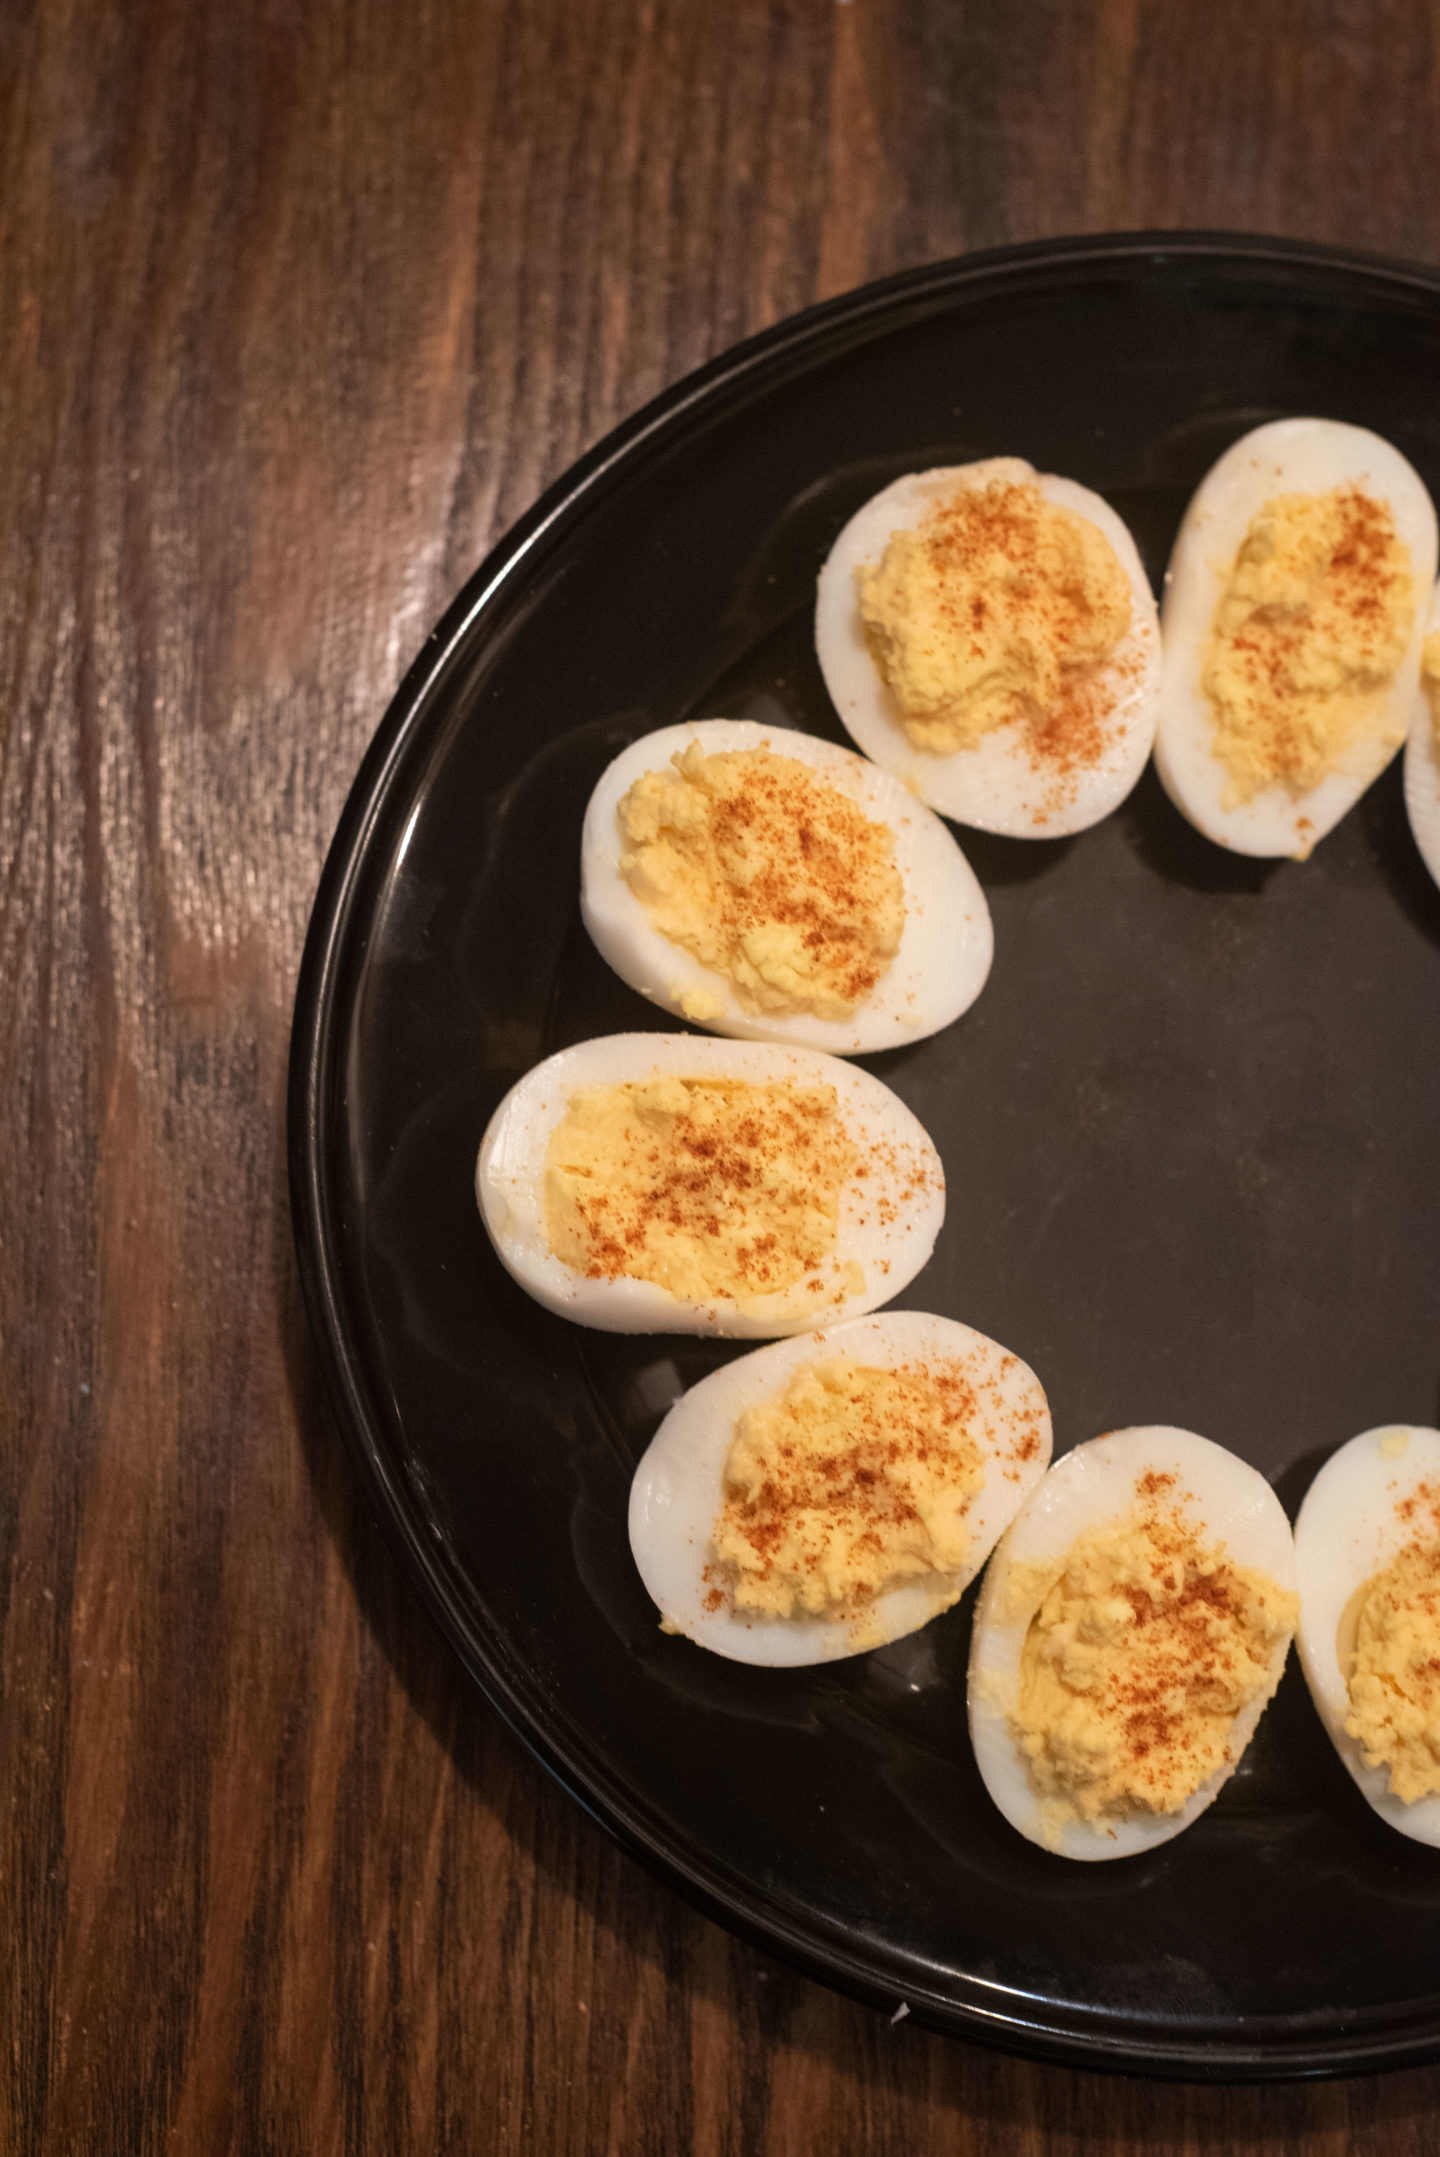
x=299 y=307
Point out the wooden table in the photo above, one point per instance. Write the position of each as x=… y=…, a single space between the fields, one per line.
x=299 y=308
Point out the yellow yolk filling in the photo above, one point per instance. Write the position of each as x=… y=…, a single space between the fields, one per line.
x=989 y=610
x=1430 y=679
x=1139 y=1658
x=766 y=874
x=848 y=1482
x=1311 y=628
x=707 y=1187
x=1394 y=1677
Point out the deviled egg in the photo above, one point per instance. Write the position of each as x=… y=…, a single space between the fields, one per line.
x=1132 y=1626
x=774 y=887
x=658 y=1183
x=1367 y=1553
x=988 y=634
x=1422 y=748
x=830 y=1493
x=1292 y=623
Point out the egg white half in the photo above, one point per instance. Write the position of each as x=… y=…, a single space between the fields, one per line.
x=679 y=1485
x=1226 y=1500
x=999 y=785
x=945 y=949
x=1347 y=1531
x=1289 y=456
x=888 y=1221
x=1422 y=769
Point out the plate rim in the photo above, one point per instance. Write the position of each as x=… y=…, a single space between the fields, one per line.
x=1211 y=2051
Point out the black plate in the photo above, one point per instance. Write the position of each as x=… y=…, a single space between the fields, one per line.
x=1190 y=1130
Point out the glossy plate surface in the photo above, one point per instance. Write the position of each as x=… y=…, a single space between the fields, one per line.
x=1191 y=1131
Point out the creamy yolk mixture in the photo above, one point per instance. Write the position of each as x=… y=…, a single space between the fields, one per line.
x=848 y=1482
x=767 y=875
x=1138 y=1660
x=1394 y=1676
x=1309 y=632
x=1430 y=679
x=708 y=1187
x=992 y=609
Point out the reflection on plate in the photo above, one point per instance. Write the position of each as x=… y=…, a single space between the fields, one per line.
x=1190 y=1131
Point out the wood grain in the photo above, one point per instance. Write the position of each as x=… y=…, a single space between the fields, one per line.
x=298 y=309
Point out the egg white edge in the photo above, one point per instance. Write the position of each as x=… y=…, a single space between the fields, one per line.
x=955 y=784
x=1346 y=1487
x=510 y=1169
x=1273 y=822
x=1422 y=768
x=1256 y=1533
x=946 y=945
x=703 y=1420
